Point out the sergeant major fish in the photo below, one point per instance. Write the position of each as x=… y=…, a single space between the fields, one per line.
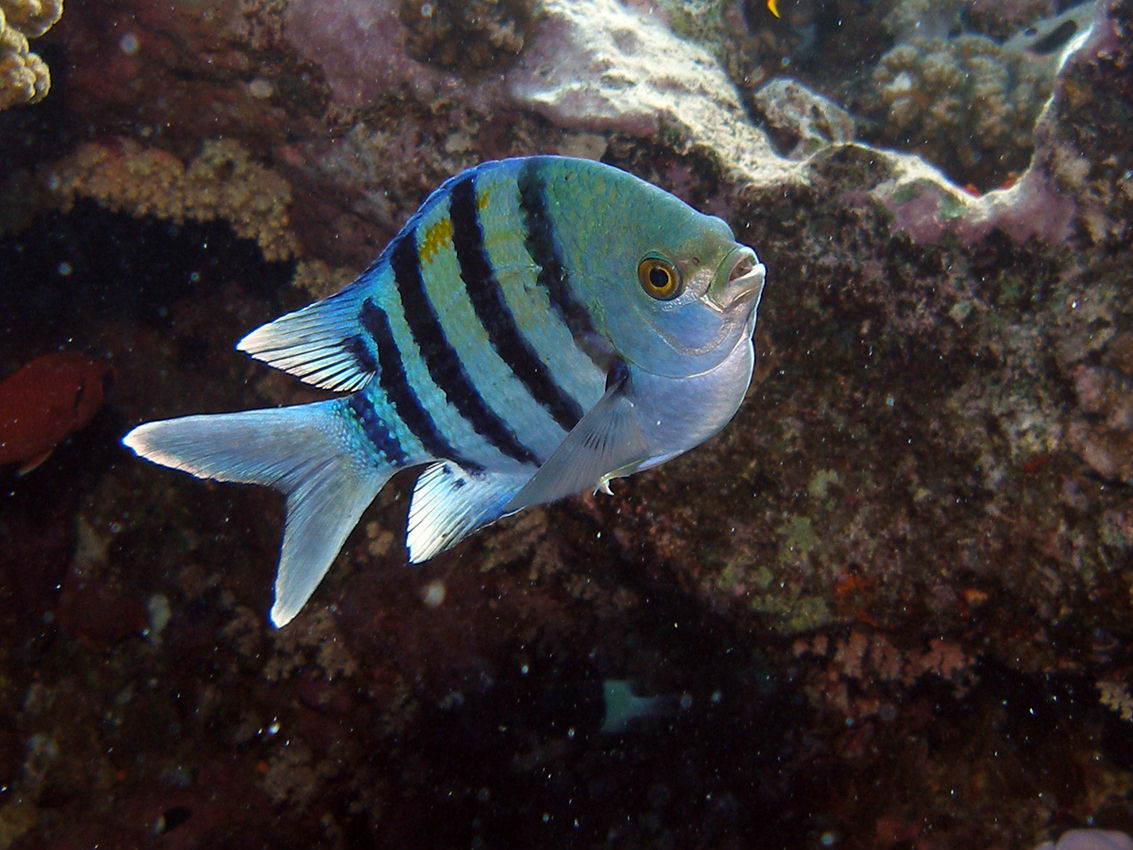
x=540 y=326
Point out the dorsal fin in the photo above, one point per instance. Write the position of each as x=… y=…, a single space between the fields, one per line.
x=323 y=344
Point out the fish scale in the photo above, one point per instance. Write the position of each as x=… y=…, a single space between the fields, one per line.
x=539 y=326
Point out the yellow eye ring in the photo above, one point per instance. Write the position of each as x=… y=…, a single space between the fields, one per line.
x=659 y=278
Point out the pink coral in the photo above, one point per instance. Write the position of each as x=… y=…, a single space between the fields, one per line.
x=854 y=672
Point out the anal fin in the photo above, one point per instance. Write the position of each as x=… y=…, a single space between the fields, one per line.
x=449 y=503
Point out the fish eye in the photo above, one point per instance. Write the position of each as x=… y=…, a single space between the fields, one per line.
x=659 y=278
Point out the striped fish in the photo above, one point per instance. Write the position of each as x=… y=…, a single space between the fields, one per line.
x=539 y=326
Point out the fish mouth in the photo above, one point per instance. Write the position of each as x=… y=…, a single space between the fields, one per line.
x=739 y=280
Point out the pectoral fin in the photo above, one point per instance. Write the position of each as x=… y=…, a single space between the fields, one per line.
x=607 y=442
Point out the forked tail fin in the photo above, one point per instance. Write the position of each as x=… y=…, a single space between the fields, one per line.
x=306 y=452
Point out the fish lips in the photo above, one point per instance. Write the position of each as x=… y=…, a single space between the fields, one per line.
x=738 y=283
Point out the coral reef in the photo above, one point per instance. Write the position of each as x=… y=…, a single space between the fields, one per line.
x=893 y=597
x=799 y=121
x=924 y=19
x=32 y=17
x=864 y=676
x=577 y=75
x=1103 y=434
x=24 y=77
x=600 y=79
x=1002 y=21
x=221 y=182
x=965 y=103
x=465 y=36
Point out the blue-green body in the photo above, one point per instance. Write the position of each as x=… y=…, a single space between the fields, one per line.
x=539 y=326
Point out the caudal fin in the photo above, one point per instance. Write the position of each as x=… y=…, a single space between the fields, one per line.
x=303 y=451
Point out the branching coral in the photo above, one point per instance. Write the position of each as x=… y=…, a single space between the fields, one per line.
x=24 y=77
x=966 y=104
x=858 y=672
x=221 y=183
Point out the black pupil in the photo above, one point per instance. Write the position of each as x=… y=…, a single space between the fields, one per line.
x=658 y=277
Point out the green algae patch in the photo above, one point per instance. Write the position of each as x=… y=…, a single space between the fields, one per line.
x=819 y=485
x=793 y=614
x=799 y=539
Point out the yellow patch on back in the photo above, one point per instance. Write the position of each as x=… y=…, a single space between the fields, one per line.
x=438 y=234
x=483 y=198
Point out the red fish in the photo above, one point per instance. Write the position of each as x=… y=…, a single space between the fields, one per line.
x=45 y=401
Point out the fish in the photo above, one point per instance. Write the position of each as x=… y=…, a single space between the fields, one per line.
x=540 y=326
x=623 y=709
x=47 y=400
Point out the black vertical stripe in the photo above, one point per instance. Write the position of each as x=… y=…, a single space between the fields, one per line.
x=441 y=359
x=392 y=379
x=542 y=244
x=488 y=301
x=356 y=346
x=375 y=429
